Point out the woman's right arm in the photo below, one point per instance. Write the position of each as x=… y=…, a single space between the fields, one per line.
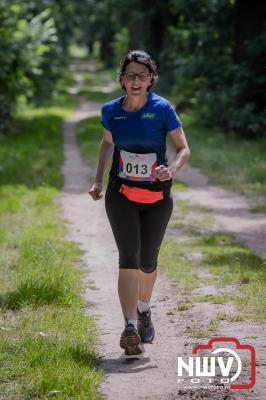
x=106 y=151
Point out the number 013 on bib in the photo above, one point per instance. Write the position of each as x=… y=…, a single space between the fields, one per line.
x=137 y=167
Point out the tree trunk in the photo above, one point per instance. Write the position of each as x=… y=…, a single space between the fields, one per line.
x=249 y=53
x=249 y=18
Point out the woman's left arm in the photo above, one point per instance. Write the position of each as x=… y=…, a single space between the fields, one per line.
x=182 y=149
x=182 y=154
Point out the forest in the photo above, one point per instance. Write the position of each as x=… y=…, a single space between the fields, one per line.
x=210 y=53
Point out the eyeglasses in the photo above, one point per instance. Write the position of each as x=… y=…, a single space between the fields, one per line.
x=131 y=76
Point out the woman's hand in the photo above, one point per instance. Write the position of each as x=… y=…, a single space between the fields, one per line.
x=95 y=191
x=163 y=173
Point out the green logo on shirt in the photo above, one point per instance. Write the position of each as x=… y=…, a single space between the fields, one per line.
x=148 y=116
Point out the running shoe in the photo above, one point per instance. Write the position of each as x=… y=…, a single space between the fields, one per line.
x=131 y=342
x=145 y=326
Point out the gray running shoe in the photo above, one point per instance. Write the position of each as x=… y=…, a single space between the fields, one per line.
x=131 y=342
x=145 y=326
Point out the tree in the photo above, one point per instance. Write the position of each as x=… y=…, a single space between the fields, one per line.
x=249 y=88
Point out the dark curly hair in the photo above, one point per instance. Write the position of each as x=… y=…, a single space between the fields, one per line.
x=140 y=57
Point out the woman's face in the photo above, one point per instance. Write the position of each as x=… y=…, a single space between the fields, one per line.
x=136 y=79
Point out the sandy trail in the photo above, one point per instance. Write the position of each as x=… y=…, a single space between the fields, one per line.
x=88 y=225
x=231 y=210
x=154 y=377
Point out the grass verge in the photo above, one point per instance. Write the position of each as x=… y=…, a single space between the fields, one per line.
x=223 y=263
x=100 y=85
x=48 y=344
x=229 y=161
x=89 y=135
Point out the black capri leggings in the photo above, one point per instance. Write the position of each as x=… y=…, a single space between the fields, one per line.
x=138 y=229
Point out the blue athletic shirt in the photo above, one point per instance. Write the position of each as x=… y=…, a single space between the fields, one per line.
x=142 y=131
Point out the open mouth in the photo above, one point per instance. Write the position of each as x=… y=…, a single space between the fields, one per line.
x=136 y=89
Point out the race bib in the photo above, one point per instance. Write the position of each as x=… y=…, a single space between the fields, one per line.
x=137 y=167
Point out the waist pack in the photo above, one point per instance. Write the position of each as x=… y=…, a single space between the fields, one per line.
x=140 y=195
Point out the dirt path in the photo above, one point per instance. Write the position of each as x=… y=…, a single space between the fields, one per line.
x=154 y=377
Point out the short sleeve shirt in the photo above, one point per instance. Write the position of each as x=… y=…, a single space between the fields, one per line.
x=143 y=131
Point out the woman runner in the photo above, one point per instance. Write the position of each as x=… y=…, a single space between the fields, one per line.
x=138 y=198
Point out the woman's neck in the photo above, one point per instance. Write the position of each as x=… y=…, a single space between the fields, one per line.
x=134 y=104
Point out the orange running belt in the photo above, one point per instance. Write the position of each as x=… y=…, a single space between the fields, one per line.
x=140 y=195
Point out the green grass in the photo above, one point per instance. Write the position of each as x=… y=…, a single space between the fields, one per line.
x=180 y=186
x=212 y=325
x=47 y=342
x=224 y=261
x=45 y=349
x=199 y=332
x=89 y=135
x=208 y=298
x=227 y=261
x=175 y=260
x=229 y=161
x=194 y=330
x=189 y=217
x=100 y=86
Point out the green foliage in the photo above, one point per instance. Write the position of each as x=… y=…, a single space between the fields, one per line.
x=202 y=73
x=194 y=44
x=247 y=116
x=120 y=45
x=35 y=147
x=89 y=135
x=47 y=342
x=25 y=40
x=198 y=56
x=235 y=164
x=33 y=51
x=210 y=53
